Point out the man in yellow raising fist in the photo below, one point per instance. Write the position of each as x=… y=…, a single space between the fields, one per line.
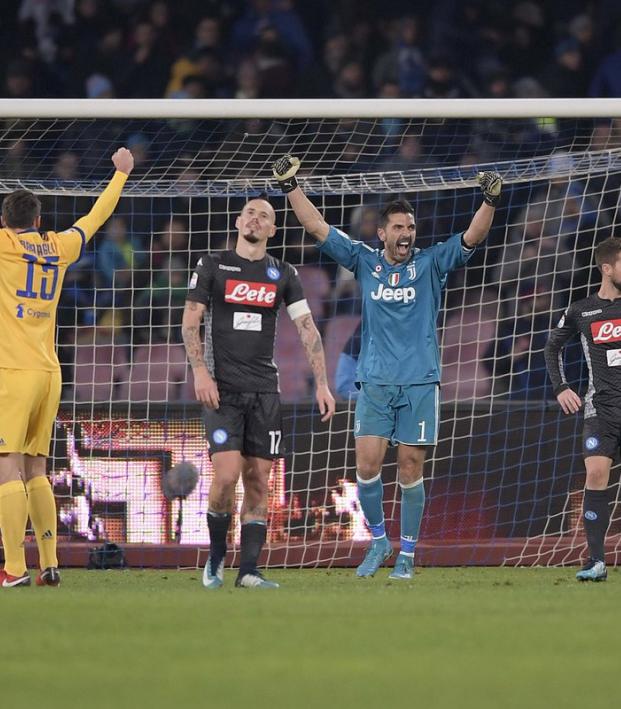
x=33 y=263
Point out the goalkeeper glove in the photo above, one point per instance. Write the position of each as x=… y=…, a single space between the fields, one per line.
x=284 y=170
x=491 y=184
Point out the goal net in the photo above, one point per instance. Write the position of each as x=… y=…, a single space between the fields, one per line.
x=504 y=483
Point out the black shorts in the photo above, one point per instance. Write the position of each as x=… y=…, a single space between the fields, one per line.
x=601 y=436
x=245 y=422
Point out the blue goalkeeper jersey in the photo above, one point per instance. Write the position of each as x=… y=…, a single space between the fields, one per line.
x=400 y=304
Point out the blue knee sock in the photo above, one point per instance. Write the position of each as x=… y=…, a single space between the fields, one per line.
x=370 y=495
x=412 y=504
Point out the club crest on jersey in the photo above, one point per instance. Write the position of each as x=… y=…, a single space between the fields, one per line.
x=411 y=271
x=393 y=279
x=273 y=273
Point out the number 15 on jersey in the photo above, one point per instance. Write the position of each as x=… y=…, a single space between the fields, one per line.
x=41 y=279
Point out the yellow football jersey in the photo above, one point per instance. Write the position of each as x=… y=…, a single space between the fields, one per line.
x=32 y=268
x=33 y=264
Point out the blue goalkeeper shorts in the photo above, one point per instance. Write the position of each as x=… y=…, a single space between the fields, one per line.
x=402 y=414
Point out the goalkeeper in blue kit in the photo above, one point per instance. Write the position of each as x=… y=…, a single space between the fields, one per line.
x=399 y=364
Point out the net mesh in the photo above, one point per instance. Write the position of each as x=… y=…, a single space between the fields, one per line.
x=504 y=484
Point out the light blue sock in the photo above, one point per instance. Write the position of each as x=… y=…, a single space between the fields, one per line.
x=412 y=505
x=370 y=495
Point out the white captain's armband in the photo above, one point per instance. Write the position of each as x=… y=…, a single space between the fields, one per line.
x=297 y=309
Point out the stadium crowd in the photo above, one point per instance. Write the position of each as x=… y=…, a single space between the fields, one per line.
x=129 y=289
x=324 y=48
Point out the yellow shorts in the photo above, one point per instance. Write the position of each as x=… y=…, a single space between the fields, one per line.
x=29 y=402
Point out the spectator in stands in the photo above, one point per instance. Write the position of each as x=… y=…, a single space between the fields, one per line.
x=248 y=80
x=403 y=63
x=607 y=80
x=159 y=309
x=45 y=17
x=205 y=58
x=92 y=21
x=114 y=252
x=516 y=354
x=67 y=167
x=171 y=240
x=19 y=82
x=319 y=79
x=99 y=86
x=276 y=68
x=110 y=55
x=444 y=80
x=145 y=73
x=163 y=20
x=566 y=76
x=350 y=82
x=284 y=24
x=535 y=253
x=408 y=156
x=581 y=29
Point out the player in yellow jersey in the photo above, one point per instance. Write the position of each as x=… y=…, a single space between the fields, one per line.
x=33 y=263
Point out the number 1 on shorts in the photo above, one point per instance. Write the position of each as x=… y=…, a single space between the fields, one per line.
x=422 y=438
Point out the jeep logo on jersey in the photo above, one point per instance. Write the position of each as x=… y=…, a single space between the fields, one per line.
x=394 y=295
x=606 y=331
x=249 y=293
x=393 y=279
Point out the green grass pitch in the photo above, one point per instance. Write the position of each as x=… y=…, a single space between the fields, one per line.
x=454 y=638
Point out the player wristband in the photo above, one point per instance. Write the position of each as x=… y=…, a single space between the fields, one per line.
x=288 y=185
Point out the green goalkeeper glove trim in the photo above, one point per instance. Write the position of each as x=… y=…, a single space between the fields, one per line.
x=490 y=183
x=284 y=170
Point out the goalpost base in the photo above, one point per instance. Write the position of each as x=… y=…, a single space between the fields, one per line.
x=551 y=551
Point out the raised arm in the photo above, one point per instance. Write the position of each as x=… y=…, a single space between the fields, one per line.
x=205 y=386
x=311 y=339
x=491 y=185
x=106 y=202
x=308 y=215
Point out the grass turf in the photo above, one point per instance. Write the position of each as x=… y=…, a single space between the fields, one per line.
x=466 y=637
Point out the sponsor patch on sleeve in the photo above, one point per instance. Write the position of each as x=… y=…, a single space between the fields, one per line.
x=193 y=280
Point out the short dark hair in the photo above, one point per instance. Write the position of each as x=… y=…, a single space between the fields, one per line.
x=20 y=209
x=399 y=206
x=608 y=251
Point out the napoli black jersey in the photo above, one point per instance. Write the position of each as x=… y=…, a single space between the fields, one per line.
x=598 y=322
x=242 y=299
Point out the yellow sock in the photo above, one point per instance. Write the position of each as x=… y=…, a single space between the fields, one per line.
x=42 y=512
x=13 y=518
